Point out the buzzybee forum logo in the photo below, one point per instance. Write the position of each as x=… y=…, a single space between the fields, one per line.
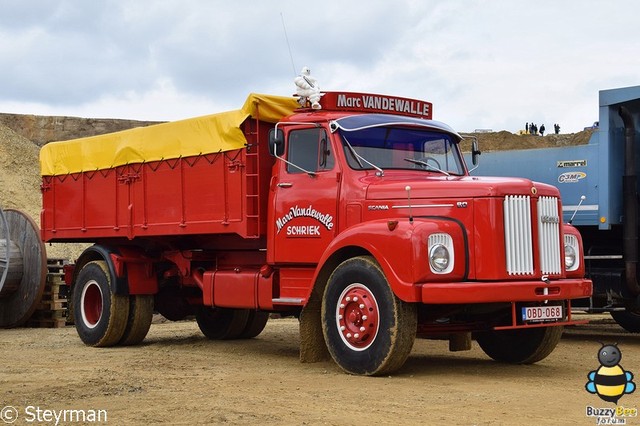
x=610 y=381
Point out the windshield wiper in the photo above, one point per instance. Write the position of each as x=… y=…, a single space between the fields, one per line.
x=426 y=165
x=359 y=157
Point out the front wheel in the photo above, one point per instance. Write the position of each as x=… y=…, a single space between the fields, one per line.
x=368 y=330
x=520 y=346
x=100 y=315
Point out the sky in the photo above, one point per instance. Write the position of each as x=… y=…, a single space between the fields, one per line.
x=484 y=64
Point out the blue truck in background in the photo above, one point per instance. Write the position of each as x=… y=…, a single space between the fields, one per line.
x=599 y=187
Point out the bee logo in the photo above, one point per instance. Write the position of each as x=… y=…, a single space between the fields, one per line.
x=610 y=381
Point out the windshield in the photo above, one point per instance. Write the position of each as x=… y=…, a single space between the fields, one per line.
x=402 y=147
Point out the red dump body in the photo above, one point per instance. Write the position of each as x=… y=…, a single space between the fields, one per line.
x=217 y=193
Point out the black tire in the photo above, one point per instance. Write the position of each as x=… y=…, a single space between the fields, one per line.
x=100 y=316
x=255 y=324
x=139 y=322
x=520 y=346
x=379 y=329
x=171 y=303
x=222 y=323
x=627 y=319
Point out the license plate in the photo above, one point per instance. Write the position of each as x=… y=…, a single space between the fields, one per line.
x=542 y=313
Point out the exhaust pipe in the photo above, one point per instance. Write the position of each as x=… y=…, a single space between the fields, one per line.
x=630 y=197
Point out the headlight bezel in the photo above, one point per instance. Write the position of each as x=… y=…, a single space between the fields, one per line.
x=440 y=252
x=571 y=253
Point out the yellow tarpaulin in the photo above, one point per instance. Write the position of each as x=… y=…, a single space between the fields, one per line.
x=193 y=136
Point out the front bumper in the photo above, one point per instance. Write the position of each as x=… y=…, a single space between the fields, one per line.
x=506 y=291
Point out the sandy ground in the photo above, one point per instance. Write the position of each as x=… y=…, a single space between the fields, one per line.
x=178 y=377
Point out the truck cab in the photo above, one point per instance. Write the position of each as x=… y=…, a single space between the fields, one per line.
x=355 y=190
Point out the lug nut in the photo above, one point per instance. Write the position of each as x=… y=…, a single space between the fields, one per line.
x=362 y=329
x=355 y=299
x=357 y=336
x=342 y=328
x=362 y=306
x=348 y=299
x=348 y=335
x=364 y=317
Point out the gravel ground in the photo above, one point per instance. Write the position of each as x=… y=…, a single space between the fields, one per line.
x=176 y=376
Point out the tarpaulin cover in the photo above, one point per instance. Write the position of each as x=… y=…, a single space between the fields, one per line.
x=193 y=136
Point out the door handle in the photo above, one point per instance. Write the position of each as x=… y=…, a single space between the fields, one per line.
x=285 y=185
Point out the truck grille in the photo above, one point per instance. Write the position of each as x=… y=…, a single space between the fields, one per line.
x=518 y=235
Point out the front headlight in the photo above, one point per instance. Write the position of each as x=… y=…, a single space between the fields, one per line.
x=439 y=258
x=571 y=250
x=440 y=253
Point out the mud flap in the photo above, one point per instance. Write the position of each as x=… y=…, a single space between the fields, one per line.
x=312 y=344
x=460 y=342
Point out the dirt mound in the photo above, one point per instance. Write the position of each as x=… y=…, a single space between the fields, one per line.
x=19 y=173
x=41 y=129
x=502 y=141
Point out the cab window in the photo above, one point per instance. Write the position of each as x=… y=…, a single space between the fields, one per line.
x=310 y=150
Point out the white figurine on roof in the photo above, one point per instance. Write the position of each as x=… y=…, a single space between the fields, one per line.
x=307 y=89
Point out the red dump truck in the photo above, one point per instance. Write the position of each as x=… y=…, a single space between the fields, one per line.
x=359 y=218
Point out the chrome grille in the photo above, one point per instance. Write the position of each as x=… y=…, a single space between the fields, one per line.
x=549 y=235
x=518 y=232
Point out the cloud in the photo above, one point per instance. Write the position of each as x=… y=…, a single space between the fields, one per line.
x=490 y=64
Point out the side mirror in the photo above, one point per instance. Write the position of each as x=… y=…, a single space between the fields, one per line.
x=475 y=152
x=276 y=142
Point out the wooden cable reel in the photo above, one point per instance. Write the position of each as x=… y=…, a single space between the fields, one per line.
x=23 y=267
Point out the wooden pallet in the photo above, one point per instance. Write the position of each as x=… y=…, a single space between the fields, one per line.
x=55 y=290
x=52 y=311
x=52 y=305
x=47 y=323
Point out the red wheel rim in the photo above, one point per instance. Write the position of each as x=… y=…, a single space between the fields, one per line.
x=357 y=317
x=91 y=306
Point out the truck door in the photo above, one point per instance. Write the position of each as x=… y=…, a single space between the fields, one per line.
x=305 y=198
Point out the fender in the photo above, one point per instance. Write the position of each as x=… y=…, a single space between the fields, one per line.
x=119 y=284
x=400 y=247
x=137 y=270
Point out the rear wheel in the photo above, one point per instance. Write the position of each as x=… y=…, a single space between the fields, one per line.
x=368 y=330
x=100 y=315
x=139 y=322
x=627 y=319
x=520 y=346
x=256 y=322
x=222 y=323
x=171 y=302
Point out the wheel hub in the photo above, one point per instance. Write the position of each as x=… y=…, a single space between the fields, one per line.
x=91 y=304
x=357 y=317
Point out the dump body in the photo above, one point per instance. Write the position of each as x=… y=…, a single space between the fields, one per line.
x=599 y=185
x=359 y=217
x=197 y=177
x=205 y=194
